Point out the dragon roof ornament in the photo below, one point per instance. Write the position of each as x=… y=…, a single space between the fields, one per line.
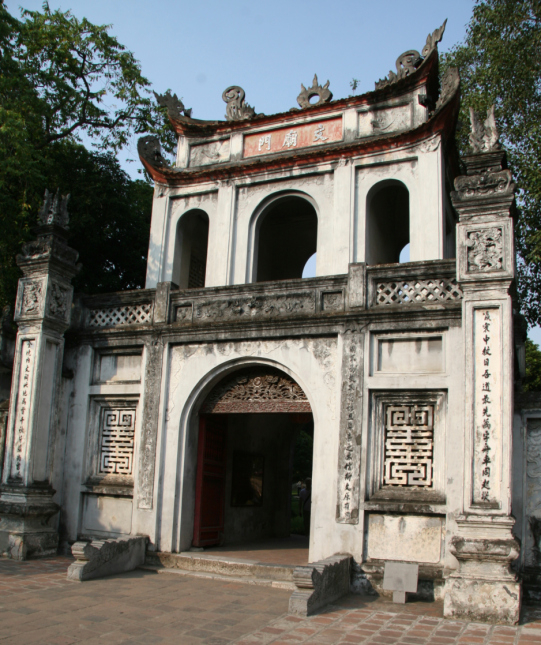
x=237 y=108
x=54 y=210
x=175 y=107
x=484 y=137
x=411 y=60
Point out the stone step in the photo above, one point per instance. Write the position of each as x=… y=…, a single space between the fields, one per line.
x=220 y=567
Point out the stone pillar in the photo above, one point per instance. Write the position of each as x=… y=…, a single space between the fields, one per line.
x=484 y=587
x=42 y=313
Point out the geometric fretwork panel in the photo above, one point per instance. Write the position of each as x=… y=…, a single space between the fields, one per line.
x=409 y=445
x=116 y=442
x=405 y=292
x=125 y=315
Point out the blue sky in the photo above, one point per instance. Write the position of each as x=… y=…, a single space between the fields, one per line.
x=198 y=48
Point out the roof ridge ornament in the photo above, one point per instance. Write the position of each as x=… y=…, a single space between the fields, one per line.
x=411 y=60
x=325 y=95
x=175 y=107
x=237 y=108
x=484 y=137
x=54 y=210
x=150 y=150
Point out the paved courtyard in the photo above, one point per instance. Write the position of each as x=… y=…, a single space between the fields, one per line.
x=38 y=605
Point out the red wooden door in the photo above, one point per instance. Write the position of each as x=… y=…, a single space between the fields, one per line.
x=210 y=482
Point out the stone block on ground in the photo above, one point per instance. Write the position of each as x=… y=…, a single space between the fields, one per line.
x=100 y=558
x=319 y=583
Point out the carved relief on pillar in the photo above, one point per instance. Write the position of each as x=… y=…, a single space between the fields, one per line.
x=349 y=456
x=30 y=299
x=59 y=301
x=485 y=251
x=486 y=184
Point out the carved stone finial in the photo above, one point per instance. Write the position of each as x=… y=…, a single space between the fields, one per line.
x=54 y=210
x=150 y=150
x=237 y=108
x=409 y=61
x=484 y=137
x=175 y=107
x=324 y=93
x=432 y=40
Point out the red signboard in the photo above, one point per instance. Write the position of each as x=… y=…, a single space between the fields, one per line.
x=297 y=136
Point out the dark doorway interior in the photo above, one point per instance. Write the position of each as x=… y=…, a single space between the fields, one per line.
x=248 y=468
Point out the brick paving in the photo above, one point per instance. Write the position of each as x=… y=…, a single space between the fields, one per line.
x=38 y=605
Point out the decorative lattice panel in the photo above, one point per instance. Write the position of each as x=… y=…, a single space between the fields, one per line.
x=125 y=315
x=403 y=292
x=409 y=445
x=116 y=442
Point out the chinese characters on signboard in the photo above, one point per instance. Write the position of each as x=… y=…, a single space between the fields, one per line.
x=300 y=136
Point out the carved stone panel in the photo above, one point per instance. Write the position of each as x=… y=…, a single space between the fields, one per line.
x=256 y=390
x=349 y=456
x=210 y=153
x=59 y=301
x=261 y=306
x=406 y=445
x=485 y=251
x=384 y=120
x=30 y=299
x=116 y=443
x=111 y=441
x=409 y=445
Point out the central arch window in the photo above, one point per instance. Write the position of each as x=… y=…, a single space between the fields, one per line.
x=387 y=222
x=286 y=237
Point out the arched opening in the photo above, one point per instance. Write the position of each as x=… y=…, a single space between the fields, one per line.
x=286 y=237
x=190 y=261
x=254 y=448
x=309 y=270
x=387 y=222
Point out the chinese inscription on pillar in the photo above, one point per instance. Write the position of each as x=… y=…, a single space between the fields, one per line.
x=350 y=455
x=487 y=404
x=22 y=410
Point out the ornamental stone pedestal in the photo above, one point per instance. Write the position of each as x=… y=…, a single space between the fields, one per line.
x=484 y=587
x=42 y=313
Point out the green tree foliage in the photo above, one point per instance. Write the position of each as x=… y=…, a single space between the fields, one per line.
x=110 y=218
x=62 y=79
x=532 y=380
x=500 y=63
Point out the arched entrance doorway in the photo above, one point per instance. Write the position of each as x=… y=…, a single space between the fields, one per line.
x=249 y=426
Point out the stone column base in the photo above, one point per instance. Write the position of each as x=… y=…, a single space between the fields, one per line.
x=495 y=601
x=484 y=587
x=25 y=530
